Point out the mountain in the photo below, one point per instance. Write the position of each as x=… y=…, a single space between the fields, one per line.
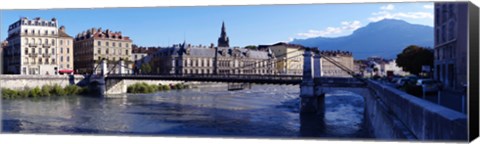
x=385 y=38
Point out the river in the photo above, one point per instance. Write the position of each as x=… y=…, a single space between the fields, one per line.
x=262 y=111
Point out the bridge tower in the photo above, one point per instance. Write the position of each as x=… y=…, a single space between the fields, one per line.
x=103 y=67
x=309 y=102
x=121 y=67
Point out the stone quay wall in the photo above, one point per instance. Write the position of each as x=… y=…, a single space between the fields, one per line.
x=394 y=114
x=31 y=81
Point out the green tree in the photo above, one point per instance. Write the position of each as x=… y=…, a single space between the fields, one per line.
x=413 y=58
x=251 y=47
x=146 y=68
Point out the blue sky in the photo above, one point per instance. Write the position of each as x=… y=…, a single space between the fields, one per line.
x=246 y=25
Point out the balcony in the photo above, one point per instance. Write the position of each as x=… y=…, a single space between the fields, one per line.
x=46 y=55
x=32 y=45
x=46 y=46
x=33 y=55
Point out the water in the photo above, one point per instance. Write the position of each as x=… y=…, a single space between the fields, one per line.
x=263 y=111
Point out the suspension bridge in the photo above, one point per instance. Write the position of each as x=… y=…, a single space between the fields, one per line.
x=392 y=113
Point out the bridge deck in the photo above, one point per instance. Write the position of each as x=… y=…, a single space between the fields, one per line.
x=258 y=79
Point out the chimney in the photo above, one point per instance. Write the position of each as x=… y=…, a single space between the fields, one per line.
x=62 y=28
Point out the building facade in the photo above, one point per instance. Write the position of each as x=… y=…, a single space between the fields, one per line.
x=65 y=52
x=188 y=59
x=451 y=34
x=289 y=58
x=94 y=45
x=2 y=47
x=331 y=70
x=32 y=47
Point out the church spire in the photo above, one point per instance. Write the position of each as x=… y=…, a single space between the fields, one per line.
x=223 y=40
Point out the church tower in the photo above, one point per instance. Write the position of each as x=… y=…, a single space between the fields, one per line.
x=223 y=40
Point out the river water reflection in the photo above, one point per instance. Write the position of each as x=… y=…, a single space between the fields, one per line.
x=263 y=111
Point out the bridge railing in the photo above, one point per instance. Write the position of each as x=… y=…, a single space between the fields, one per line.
x=210 y=76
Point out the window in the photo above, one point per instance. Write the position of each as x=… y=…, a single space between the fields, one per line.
x=126 y=45
x=61 y=50
x=113 y=43
x=68 y=50
x=68 y=65
x=46 y=32
x=61 y=42
x=126 y=52
x=33 y=31
x=119 y=44
x=444 y=33
x=26 y=31
x=106 y=43
x=61 y=58
x=68 y=42
x=46 y=41
x=107 y=49
x=53 y=50
x=451 y=30
x=68 y=58
x=99 y=43
x=53 y=42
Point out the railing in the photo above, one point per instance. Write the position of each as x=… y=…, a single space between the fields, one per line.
x=279 y=79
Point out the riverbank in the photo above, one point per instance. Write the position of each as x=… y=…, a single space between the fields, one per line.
x=32 y=81
x=43 y=91
x=151 y=88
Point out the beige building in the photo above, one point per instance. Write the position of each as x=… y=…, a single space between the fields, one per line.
x=342 y=57
x=65 y=51
x=93 y=45
x=289 y=58
x=32 y=47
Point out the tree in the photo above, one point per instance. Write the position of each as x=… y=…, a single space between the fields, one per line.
x=146 y=68
x=251 y=47
x=413 y=58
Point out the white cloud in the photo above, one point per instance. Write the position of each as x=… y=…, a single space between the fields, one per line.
x=388 y=7
x=428 y=6
x=377 y=16
x=346 y=26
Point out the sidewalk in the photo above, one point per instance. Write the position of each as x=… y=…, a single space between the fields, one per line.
x=452 y=99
